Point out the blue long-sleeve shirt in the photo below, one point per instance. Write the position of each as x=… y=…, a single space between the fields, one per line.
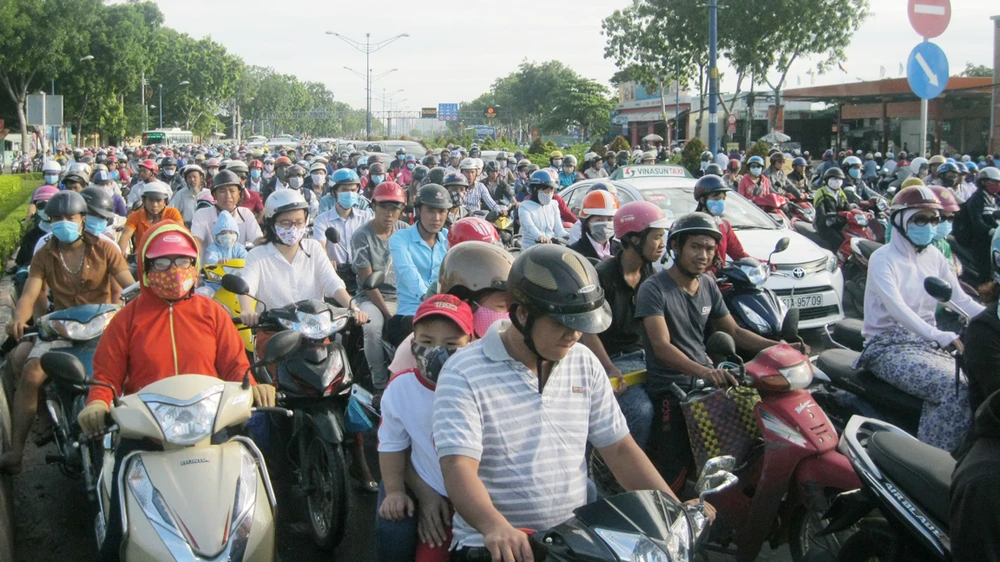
x=417 y=266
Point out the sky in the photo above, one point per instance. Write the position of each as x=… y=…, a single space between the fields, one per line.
x=456 y=54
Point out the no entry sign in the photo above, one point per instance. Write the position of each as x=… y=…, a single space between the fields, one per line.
x=929 y=18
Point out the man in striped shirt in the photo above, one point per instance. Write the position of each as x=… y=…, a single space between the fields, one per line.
x=477 y=193
x=515 y=410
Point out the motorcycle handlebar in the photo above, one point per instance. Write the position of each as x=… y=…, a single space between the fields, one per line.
x=275 y=410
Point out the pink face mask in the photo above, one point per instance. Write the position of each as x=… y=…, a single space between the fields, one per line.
x=484 y=317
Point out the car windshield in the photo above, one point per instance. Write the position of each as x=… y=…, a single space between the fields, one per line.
x=677 y=201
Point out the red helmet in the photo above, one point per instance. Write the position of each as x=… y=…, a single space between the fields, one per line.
x=256 y=165
x=283 y=160
x=949 y=203
x=472 y=228
x=389 y=191
x=171 y=243
x=915 y=197
x=637 y=216
x=149 y=165
x=733 y=166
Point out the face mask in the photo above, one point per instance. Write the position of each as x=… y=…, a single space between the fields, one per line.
x=226 y=240
x=168 y=173
x=46 y=226
x=430 y=360
x=255 y=174
x=921 y=235
x=66 y=231
x=556 y=163
x=116 y=175
x=835 y=184
x=484 y=317
x=755 y=171
x=511 y=167
x=602 y=231
x=544 y=198
x=290 y=236
x=400 y=157
x=319 y=180
x=716 y=207
x=992 y=187
x=172 y=284
x=854 y=173
x=95 y=225
x=347 y=199
x=943 y=230
x=295 y=182
x=375 y=180
x=410 y=166
x=51 y=179
x=456 y=198
x=269 y=167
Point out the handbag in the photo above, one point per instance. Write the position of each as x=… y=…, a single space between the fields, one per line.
x=721 y=422
x=356 y=420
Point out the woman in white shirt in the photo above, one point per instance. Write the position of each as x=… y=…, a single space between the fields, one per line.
x=539 y=214
x=903 y=346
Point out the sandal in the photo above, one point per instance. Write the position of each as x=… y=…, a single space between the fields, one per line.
x=370 y=486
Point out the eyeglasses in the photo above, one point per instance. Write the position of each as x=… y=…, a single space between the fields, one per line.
x=924 y=220
x=163 y=264
x=288 y=223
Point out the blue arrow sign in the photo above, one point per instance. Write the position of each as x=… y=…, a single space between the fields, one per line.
x=927 y=70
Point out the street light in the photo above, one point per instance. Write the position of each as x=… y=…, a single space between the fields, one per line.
x=368 y=48
x=179 y=84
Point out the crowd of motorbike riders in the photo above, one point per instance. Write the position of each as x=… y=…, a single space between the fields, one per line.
x=489 y=284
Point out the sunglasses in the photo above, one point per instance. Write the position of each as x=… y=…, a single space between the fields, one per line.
x=924 y=221
x=163 y=264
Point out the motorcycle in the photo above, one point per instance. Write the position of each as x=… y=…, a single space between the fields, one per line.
x=83 y=326
x=193 y=499
x=907 y=482
x=772 y=204
x=754 y=306
x=211 y=287
x=855 y=270
x=879 y=208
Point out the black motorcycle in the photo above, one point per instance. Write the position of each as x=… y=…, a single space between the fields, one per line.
x=754 y=306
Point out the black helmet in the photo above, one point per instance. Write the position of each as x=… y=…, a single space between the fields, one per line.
x=474 y=152
x=376 y=169
x=552 y=280
x=66 y=203
x=491 y=166
x=436 y=175
x=430 y=161
x=987 y=174
x=98 y=202
x=541 y=179
x=419 y=173
x=709 y=183
x=373 y=158
x=168 y=161
x=400 y=150
x=225 y=177
x=713 y=169
x=455 y=179
x=435 y=196
x=833 y=172
x=694 y=223
x=519 y=155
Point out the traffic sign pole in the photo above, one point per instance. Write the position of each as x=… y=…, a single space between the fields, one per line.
x=923 y=127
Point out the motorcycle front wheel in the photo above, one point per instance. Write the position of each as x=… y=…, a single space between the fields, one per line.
x=327 y=498
x=873 y=541
x=803 y=528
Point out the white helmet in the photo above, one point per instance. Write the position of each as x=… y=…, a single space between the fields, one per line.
x=51 y=166
x=917 y=163
x=156 y=188
x=317 y=166
x=282 y=201
x=468 y=164
x=479 y=163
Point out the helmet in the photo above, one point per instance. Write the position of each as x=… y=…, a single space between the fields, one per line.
x=936 y=161
x=51 y=166
x=553 y=280
x=373 y=158
x=694 y=223
x=419 y=173
x=456 y=179
x=474 y=151
x=947 y=167
x=98 y=202
x=541 y=179
x=75 y=176
x=191 y=168
x=569 y=160
x=604 y=186
x=870 y=156
x=650 y=155
x=705 y=156
x=903 y=155
x=436 y=175
x=317 y=166
x=44 y=193
x=599 y=203
x=915 y=197
x=638 y=216
x=376 y=169
x=215 y=163
x=523 y=163
x=917 y=163
x=149 y=165
x=911 y=181
x=434 y=196
x=282 y=201
x=410 y=158
x=473 y=265
x=947 y=199
x=962 y=169
x=777 y=156
x=833 y=173
x=989 y=174
x=430 y=161
x=555 y=154
x=709 y=183
x=345 y=176
x=755 y=160
x=389 y=192
x=256 y=164
x=226 y=177
x=156 y=190
x=851 y=161
x=800 y=161
x=733 y=166
x=890 y=156
x=170 y=243
x=971 y=167
x=471 y=229
x=468 y=164
x=828 y=154
x=713 y=169
x=492 y=166
x=66 y=203
x=238 y=167
x=400 y=150
x=168 y=161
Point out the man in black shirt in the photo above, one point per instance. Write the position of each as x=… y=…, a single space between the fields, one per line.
x=975 y=490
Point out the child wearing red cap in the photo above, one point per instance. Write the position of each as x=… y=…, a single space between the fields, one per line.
x=443 y=323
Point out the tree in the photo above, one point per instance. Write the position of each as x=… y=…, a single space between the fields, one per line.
x=691 y=155
x=620 y=144
x=977 y=71
x=580 y=103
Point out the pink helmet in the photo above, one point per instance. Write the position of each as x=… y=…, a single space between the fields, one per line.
x=44 y=193
x=637 y=216
x=949 y=203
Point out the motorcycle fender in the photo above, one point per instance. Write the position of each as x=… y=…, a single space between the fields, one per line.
x=847 y=509
x=323 y=422
x=828 y=471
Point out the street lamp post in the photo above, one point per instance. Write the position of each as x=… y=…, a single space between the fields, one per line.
x=368 y=48
x=713 y=77
x=179 y=84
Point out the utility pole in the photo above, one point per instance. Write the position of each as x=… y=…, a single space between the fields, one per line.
x=142 y=95
x=713 y=78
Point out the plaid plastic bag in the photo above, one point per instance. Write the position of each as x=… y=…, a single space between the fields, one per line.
x=721 y=422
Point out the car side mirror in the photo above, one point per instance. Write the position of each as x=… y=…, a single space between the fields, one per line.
x=235 y=284
x=938 y=288
x=722 y=344
x=65 y=367
x=373 y=281
x=332 y=235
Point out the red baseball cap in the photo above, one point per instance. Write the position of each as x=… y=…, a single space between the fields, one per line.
x=449 y=306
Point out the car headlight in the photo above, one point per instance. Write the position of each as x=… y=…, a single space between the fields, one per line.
x=831 y=263
x=630 y=547
x=762 y=326
x=186 y=423
x=799 y=376
x=315 y=326
x=757 y=274
x=861 y=219
x=79 y=331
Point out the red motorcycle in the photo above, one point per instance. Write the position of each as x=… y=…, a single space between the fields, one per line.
x=772 y=204
x=793 y=473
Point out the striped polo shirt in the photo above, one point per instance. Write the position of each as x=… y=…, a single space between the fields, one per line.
x=530 y=446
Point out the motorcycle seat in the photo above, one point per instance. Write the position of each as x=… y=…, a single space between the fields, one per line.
x=848 y=332
x=921 y=471
x=805 y=228
x=868 y=248
x=838 y=365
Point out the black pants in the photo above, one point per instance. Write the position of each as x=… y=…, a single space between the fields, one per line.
x=669 y=447
x=398 y=328
x=111 y=548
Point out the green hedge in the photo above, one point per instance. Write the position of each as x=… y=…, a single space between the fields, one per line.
x=15 y=196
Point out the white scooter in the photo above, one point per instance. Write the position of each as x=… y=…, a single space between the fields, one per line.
x=192 y=500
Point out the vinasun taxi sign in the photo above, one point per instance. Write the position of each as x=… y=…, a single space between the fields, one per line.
x=626 y=172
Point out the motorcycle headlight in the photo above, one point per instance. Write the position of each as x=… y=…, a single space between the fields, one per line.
x=79 y=331
x=861 y=219
x=762 y=326
x=799 y=376
x=629 y=547
x=756 y=273
x=882 y=205
x=246 y=490
x=186 y=423
x=315 y=326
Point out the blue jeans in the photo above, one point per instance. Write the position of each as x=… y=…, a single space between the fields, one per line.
x=395 y=541
x=634 y=402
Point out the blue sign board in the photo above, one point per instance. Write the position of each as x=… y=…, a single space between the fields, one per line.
x=927 y=70
x=447 y=112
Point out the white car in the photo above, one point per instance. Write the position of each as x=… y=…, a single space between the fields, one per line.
x=805 y=276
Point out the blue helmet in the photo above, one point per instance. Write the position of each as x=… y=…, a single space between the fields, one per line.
x=755 y=160
x=947 y=167
x=541 y=179
x=800 y=161
x=971 y=167
x=962 y=169
x=345 y=176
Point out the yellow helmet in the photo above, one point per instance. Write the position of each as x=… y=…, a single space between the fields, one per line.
x=910 y=182
x=556 y=154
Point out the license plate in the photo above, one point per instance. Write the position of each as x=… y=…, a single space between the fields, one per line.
x=805 y=301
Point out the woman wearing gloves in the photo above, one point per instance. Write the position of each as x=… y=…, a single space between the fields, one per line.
x=903 y=346
x=539 y=214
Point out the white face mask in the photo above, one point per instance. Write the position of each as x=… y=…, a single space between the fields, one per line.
x=318 y=180
x=835 y=184
x=544 y=198
x=295 y=182
x=602 y=231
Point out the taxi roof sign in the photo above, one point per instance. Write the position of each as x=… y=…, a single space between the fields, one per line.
x=650 y=171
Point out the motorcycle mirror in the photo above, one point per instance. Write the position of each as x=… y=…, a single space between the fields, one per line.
x=716 y=483
x=65 y=367
x=373 y=281
x=938 y=288
x=282 y=345
x=790 y=326
x=721 y=343
x=782 y=245
x=332 y=235
x=713 y=466
x=235 y=284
